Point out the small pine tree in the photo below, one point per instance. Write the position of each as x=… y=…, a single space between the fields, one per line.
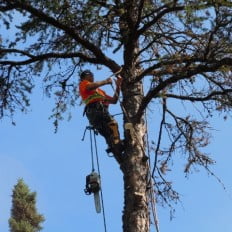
x=24 y=215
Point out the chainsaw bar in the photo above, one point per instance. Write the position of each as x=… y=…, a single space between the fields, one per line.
x=97 y=202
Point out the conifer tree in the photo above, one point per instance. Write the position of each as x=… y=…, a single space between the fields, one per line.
x=24 y=215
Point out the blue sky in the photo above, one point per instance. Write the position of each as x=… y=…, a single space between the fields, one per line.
x=55 y=166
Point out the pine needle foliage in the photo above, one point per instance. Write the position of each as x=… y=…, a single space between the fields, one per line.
x=24 y=215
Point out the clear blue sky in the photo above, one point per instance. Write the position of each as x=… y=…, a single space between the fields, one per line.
x=55 y=166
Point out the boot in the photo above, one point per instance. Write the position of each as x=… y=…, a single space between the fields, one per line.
x=115 y=138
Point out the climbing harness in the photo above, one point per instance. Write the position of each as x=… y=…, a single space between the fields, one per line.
x=93 y=180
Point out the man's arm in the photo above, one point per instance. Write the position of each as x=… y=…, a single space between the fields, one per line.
x=118 y=83
x=95 y=85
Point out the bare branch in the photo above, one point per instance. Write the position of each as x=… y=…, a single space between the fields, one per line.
x=171 y=61
x=22 y=52
x=159 y=137
x=158 y=17
x=140 y=10
x=200 y=99
x=181 y=74
x=6 y=8
x=35 y=58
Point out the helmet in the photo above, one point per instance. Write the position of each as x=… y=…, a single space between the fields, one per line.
x=85 y=73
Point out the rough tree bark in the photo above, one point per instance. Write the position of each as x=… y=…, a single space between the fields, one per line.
x=134 y=165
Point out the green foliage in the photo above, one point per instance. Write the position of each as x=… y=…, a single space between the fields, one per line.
x=83 y=30
x=24 y=215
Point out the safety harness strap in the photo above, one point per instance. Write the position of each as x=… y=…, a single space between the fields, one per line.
x=95 y=96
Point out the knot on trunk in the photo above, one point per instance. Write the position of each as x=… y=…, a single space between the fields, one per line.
x=139 y=199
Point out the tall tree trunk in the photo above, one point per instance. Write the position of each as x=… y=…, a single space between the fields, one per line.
x=134 y=166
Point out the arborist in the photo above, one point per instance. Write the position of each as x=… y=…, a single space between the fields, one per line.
x=96 y=109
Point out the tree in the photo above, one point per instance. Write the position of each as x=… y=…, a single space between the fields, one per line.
x=171 y=52
x=24 y=215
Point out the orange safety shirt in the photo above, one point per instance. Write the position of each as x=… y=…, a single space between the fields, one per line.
x=91 y=96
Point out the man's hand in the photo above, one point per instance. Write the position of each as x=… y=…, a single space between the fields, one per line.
x=118 y=81
x=108 y=81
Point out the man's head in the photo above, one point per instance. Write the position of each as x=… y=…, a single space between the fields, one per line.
x=87 y=75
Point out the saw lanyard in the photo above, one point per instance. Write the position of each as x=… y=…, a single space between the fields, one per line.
x=91 y=147
x=93 y=139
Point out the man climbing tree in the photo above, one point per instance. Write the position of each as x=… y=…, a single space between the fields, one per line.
x=173 y=53
x=24 y=215
x=96 y=109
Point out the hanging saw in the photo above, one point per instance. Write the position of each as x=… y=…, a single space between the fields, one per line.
x=93 y=180
x=93 y=185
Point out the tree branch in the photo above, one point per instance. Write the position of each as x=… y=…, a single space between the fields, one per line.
x=5 y=51
x=183 y=60
x=103 y=59
x=159 y=137
x=180 y=75
x=140 y=10
x=34 y=58
x=201 y=99
x=159 y=16
x=6 y=8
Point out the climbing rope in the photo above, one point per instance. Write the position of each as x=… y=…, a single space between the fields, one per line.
x=98 y=167
x=91 y=147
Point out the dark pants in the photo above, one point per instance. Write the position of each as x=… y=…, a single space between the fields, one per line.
x=99 y=117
